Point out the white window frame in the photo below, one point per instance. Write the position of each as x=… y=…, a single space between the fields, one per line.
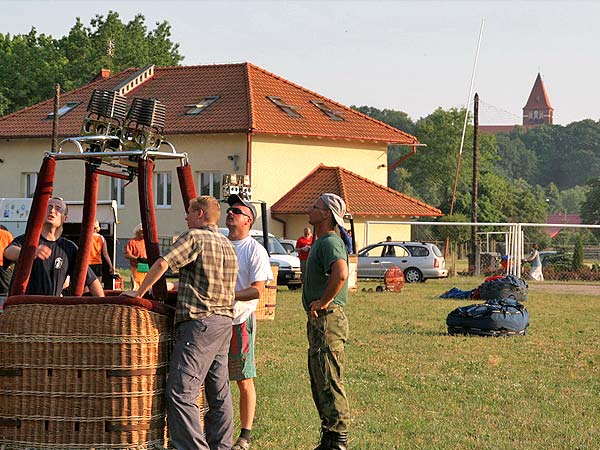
x=213 y=176
x=117 y=187
x=166 y=180
x=29 y=183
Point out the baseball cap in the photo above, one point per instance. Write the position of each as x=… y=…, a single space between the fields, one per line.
x=236 y=199
x=336 y=205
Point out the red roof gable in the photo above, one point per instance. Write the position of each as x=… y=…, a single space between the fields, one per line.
x=242 y=106
x=363 y=197
x=538 y=97
x=567 y=219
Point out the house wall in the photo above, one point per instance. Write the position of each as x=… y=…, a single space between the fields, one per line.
x=278 y=164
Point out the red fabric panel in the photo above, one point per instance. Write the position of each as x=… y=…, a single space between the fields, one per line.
x=186 y=185
x=37 y=215
x=148 y=215
x=90 y=201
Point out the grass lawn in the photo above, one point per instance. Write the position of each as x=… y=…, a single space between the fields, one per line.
x=411 y=386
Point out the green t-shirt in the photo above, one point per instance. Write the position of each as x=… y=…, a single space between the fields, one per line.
x=324 y=252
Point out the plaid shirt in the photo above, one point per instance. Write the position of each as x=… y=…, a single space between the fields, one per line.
x=207 y=272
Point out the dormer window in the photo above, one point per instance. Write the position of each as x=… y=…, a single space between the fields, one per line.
x=332 y=114
x=64 y=109
x=288 y=109
x=201 y=105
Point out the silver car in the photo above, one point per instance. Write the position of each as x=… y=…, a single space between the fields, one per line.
x=418 y=260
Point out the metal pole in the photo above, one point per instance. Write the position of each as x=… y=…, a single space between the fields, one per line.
x=462 y=139
x=474 y=248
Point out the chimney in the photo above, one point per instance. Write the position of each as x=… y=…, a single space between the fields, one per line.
x=102 y=75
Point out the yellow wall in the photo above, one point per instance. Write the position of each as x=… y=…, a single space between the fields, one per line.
x=280 y=162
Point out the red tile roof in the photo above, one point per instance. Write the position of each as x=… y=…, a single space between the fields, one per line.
x=242 y=106
x=363 y=197
x=538 y=97
x=567 y=219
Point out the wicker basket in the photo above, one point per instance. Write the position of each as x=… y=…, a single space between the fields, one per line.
x=268 y=300
x=82 y=373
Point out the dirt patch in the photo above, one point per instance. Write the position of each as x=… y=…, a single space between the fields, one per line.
x=582 y=289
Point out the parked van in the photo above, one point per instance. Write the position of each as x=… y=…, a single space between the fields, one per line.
x=289 y=273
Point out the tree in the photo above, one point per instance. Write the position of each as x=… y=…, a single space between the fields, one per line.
x=577 y=263
x=31 y=64
x=590 y=209
x=397 y=119
x=515 y=160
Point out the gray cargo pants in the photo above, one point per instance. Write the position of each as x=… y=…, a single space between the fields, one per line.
x=327 y=336
x=200 y=356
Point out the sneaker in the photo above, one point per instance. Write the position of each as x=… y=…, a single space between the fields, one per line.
x=241 y=444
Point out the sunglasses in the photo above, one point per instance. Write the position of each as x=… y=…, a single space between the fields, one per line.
x=59 y=209
x=235 y=210
x=318 y=207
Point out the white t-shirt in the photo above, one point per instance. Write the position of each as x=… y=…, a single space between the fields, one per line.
x=253 y=261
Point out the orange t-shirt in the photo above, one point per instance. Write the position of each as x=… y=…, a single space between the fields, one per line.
x=5 y=239
x=136 y=248
x=96 y=249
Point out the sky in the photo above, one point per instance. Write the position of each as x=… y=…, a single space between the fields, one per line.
x=413 y=56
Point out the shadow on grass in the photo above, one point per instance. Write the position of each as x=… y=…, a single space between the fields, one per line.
x=413 y=332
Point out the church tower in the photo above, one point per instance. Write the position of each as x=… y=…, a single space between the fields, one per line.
x=537 y=111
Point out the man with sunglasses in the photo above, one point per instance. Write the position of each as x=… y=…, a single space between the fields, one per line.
x=55 y=256
x=324 y=294
x=254 y=272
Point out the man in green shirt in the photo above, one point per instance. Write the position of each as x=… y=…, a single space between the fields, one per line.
x=324 y=294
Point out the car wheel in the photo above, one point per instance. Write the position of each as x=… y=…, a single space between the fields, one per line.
x=413 y=275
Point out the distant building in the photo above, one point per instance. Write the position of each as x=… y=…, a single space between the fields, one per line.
x=537 y=111
x=566 y=219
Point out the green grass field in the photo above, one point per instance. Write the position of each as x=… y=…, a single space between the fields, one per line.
x=411 y=386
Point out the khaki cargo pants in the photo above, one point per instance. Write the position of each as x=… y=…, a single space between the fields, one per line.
x=327 y=336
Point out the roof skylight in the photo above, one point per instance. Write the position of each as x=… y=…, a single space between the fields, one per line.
x=201 y=105
x=65 y=109
x=290 y=110
x=332 y=114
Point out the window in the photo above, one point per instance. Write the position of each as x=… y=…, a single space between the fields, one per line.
x=210 y=183
x=288 y=109
x=332 y=114
x=117 y=191
x=30 y=181
x=65 y=109
x=201 y=105
x=162 y=189
x=417 y=250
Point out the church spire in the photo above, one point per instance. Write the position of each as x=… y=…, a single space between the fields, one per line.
x=538 y=111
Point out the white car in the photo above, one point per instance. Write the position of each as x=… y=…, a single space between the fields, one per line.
x=289 y=245
x=418 y=260
x=289 y=273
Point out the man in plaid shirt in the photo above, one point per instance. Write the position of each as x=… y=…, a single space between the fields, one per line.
x=208 y=267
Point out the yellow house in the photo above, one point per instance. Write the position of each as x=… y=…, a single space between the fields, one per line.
x=230 y=119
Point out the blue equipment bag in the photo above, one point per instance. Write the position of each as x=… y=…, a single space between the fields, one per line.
x=499 y=317
x=507 y=287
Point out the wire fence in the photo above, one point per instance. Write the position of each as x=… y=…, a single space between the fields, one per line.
x=568 y=253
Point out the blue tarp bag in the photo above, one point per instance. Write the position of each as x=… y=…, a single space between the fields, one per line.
x=507 y=287
x=498 y=317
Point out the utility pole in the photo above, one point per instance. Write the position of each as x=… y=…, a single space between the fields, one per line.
x=474 y=248
x=55 y=117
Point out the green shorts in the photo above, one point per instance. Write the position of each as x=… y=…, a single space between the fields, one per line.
x=241 y=350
